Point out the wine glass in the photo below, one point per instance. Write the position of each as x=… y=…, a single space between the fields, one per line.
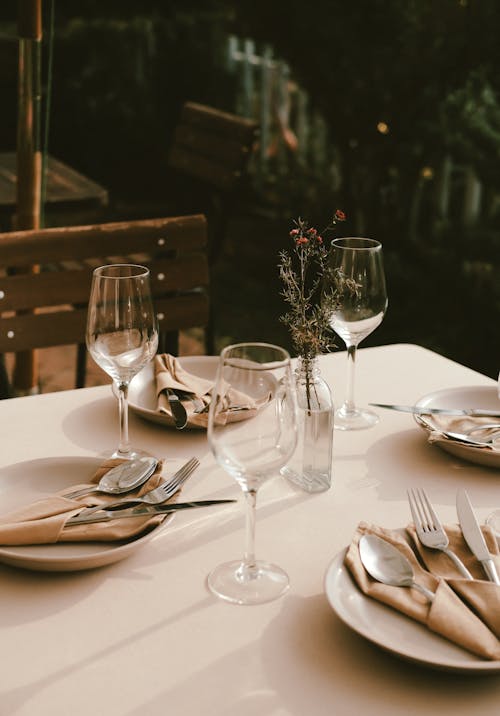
x=251 y=450
x=122 y=334
x=361 y=305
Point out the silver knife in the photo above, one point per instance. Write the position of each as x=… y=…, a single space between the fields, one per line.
x=416 y=410
x=83 y=518
x=179 y=413
x=474 y=537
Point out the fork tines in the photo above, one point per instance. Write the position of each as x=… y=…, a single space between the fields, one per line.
x=422 y=511
x=182 y=474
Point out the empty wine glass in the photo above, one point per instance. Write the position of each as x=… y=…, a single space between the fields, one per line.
x=251 y=450
x=122 y=333
x=361 y=306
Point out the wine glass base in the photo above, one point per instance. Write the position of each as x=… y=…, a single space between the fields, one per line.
x=134 y=454
x=237 y=583
x=357 y=419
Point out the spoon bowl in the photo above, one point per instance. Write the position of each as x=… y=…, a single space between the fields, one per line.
x=388 y=565
x=122 y=478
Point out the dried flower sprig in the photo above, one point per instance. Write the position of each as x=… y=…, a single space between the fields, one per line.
x=305 y=273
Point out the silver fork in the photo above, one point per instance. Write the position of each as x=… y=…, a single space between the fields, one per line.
x=156 y=496
x=430 y=531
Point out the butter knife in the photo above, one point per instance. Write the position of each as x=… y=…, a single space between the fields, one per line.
x=84 y=518
x=416 y=410
x=177 y=409
x=474 y=537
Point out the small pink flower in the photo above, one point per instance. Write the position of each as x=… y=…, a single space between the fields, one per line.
x=339 y=215
x=302 y=240
x=319 y=239
x=294 y=232
x=312 y=232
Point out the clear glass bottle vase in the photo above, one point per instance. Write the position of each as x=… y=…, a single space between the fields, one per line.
x=311 y=464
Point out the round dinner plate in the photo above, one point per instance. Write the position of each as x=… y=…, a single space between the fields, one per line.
x=142 y=391
x=392 y=631
x=25 y=482
x=466 y=397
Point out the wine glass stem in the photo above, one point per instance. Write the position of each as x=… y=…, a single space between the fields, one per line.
x=351 y=363
x=249 y=558
x=124 y=445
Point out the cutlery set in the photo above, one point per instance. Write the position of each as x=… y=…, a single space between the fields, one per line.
x=104 y=515
x=386 y=564
x=465 y=437
x=178 y=410
x=149 y=504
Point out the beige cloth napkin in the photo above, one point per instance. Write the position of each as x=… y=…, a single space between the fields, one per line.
x=446 y=615
x=43 y=521
x=170 y=374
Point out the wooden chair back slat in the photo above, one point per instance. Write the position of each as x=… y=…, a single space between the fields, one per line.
x=219 y=147
x=212 y=146
x=42 y=330
x=67 y=326
x=203 y=168
x=216 y=121
x=24 y=248
x=52 y=287
x=49 y=308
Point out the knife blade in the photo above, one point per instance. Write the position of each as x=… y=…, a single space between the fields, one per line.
x=179 y=413
x=83 y=518
x=473 y=535
x=416 y=410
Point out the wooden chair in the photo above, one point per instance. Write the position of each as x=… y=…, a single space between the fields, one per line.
x=208 y=161
x=49 y=308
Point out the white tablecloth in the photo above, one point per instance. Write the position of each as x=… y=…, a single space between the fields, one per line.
x=145 y=637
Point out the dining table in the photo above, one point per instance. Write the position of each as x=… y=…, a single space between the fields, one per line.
x=143 y=635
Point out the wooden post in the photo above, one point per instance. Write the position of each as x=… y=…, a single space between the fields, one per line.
x=29 y=155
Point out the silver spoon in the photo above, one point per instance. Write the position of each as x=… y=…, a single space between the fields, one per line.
x=120 y=479
x=464 y=440
x=458 y=437
x=388 y=565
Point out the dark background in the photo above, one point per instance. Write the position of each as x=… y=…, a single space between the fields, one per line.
x=429 y=69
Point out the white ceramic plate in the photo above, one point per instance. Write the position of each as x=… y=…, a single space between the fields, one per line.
x=142 y=393
x=467 y=397
x=394 y=632
x=26 y=482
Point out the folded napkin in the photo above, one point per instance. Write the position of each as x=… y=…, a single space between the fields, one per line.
x=447 y=615
x=459 y=425
x=170 y=374
x=43 y=521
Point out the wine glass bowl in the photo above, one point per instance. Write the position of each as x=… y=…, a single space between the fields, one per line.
x=251 y=450
x=122 y=335
x=357 y=272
